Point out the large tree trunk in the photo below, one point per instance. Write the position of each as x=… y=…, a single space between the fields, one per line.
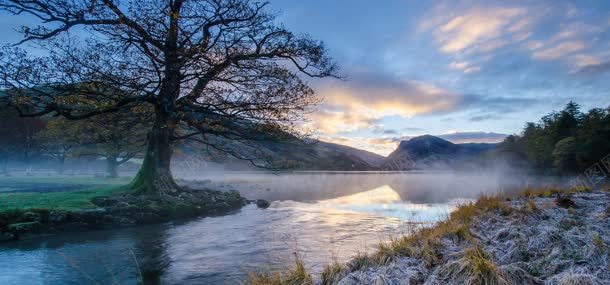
x=155 y=175
x=112 y=167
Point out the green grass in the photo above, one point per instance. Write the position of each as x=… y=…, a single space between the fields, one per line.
x=67 y=200
x=14 y=182
x=56 y=200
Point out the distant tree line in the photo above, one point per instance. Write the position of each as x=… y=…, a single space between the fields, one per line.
x=567 y=141
x=115 y=138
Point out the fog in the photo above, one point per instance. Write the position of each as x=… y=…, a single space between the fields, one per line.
x=417 y=187
x=309 y=186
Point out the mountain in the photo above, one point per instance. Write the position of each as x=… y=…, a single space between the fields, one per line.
x=429 y=152
x=318 y=155
x=371 y=158
x=292 y=155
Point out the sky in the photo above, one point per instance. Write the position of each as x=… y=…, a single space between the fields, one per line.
x=468 y=71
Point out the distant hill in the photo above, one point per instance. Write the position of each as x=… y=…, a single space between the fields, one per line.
x=371 y=158
x=318 y=155
x=419 y=153
x=296 y=155
x=434 y=153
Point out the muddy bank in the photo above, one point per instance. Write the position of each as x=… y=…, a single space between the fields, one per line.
x=527 y=240
x=117 y=212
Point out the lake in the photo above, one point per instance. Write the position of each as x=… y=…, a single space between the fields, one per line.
x=319 y=215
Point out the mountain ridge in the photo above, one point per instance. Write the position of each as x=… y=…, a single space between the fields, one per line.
x=432 y=152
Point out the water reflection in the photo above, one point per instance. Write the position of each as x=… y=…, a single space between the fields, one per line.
x=386 y=202
x=320 y=215
x=417 y=187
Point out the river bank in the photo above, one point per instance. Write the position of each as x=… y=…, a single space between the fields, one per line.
x=540 y=237
x=116 y=211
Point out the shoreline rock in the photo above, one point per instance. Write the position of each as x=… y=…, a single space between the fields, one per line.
x=119 y=212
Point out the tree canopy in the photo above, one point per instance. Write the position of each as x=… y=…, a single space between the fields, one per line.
x=213 y=71
x=564 y=141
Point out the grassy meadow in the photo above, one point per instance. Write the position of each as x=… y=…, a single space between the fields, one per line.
x=29 y=192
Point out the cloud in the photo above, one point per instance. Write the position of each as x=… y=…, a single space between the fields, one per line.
x=584 y=60
x=339 y=120
x=476 y=28
x=367 y=97
x=473 y=137
x=559 y=50
x=498 y=105
x=572 y=43
x=362 y=103
x=475 y=34
x=385 y=145
x=382 y=146
x=388 y=132
x=464 y=66
x=479 y=118
x=595 y=68
x=385 y=94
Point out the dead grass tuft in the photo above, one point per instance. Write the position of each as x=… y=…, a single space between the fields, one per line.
x=298 y=275
x=361 y=260
x=599 y=243
x=529 y=207
x=482 y=269
x=264 y=278
x=333 y=272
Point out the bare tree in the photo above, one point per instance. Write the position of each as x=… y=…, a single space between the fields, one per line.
x=216 y=71
x=60 y=139
x=17 y=138
x=116 y=137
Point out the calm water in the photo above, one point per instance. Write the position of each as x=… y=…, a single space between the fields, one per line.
x=319 y=215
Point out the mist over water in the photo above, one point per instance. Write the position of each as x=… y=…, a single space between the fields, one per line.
x=413 y=186
x=319 y=214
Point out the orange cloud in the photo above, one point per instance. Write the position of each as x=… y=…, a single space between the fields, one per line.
x=362 y=102
x=382 y=146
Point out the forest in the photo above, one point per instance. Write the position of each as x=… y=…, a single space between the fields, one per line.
x=566 y=141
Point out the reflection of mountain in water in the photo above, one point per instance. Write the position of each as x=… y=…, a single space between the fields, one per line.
x=385 y=201
x=415 y=187
x=381 y=195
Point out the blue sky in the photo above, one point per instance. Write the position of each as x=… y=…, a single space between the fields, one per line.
x=440 y=67
x=466 y=70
